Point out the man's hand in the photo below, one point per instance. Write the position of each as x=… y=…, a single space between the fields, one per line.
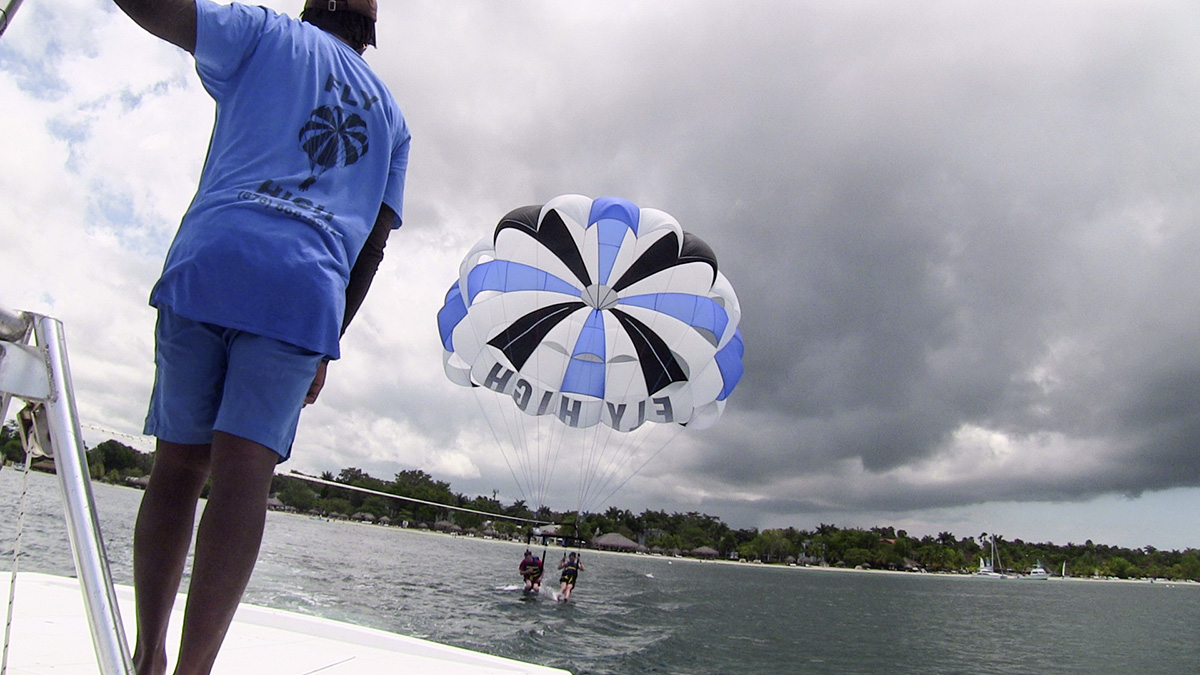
x=314 y=389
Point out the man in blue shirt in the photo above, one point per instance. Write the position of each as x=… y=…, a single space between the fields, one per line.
x=303 y=182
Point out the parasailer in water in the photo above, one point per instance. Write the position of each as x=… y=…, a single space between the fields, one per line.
x=571 y=565
x=595 y=316
x=532 y=569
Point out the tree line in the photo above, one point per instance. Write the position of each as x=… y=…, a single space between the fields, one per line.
x=677 y=533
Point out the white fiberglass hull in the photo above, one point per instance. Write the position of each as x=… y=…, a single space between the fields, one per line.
x=50 y=635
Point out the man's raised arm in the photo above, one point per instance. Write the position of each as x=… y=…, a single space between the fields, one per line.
x=171 y=20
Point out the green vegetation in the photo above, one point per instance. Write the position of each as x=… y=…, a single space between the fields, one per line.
x=683 y=533
x=10 y=444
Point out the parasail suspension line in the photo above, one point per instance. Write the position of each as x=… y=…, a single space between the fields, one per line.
x=483 y=408
x=355 y=488
x=612 y=475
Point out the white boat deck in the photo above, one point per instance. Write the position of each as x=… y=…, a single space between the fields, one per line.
x=50 y=636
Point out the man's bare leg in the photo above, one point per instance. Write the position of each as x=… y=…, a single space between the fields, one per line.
x=161 y=538
x=227 y=546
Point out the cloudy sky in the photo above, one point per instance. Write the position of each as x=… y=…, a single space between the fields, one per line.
x=963 y=235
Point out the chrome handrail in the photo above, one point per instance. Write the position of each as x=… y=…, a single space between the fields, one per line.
x=14 y=328
x=71 y=467
x=7 y=13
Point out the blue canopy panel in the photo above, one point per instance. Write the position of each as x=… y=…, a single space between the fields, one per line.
x=586 y=371
x=729 y=362
x=701 y=313
x=612 y=217
x=451 y=313
x=507 y=276
x=615 y=208
x=609 y=235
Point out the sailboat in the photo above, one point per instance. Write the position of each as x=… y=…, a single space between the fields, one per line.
x=987 y=567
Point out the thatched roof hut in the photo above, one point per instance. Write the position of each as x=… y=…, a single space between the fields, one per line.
x=705 y=552
x=614 y=541
x=44 y=464
x=364 y=516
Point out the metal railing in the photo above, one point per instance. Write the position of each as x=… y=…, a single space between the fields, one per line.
x=7 y=13
x=39 y=374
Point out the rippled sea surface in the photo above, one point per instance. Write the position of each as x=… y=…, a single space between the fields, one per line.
x=640 y=614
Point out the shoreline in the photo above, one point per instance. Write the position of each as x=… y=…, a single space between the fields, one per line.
x=755 y=565
x=733 y=563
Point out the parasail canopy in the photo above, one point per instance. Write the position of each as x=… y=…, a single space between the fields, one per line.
x=595 y=312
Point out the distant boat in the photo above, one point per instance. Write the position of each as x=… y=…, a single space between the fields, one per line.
x=988 y=571
x=1037 y=573
x=987 y=568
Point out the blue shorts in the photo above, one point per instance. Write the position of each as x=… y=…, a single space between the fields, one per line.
x=210 y=378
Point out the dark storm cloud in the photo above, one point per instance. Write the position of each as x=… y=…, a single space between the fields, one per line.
x=964 y=237
x=937 y=216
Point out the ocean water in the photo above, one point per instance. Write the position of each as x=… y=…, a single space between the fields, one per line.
x=641 y=614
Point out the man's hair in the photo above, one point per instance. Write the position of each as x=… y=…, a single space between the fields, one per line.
x=354 y=27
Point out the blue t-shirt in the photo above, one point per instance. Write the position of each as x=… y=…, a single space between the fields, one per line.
x=307 y=144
